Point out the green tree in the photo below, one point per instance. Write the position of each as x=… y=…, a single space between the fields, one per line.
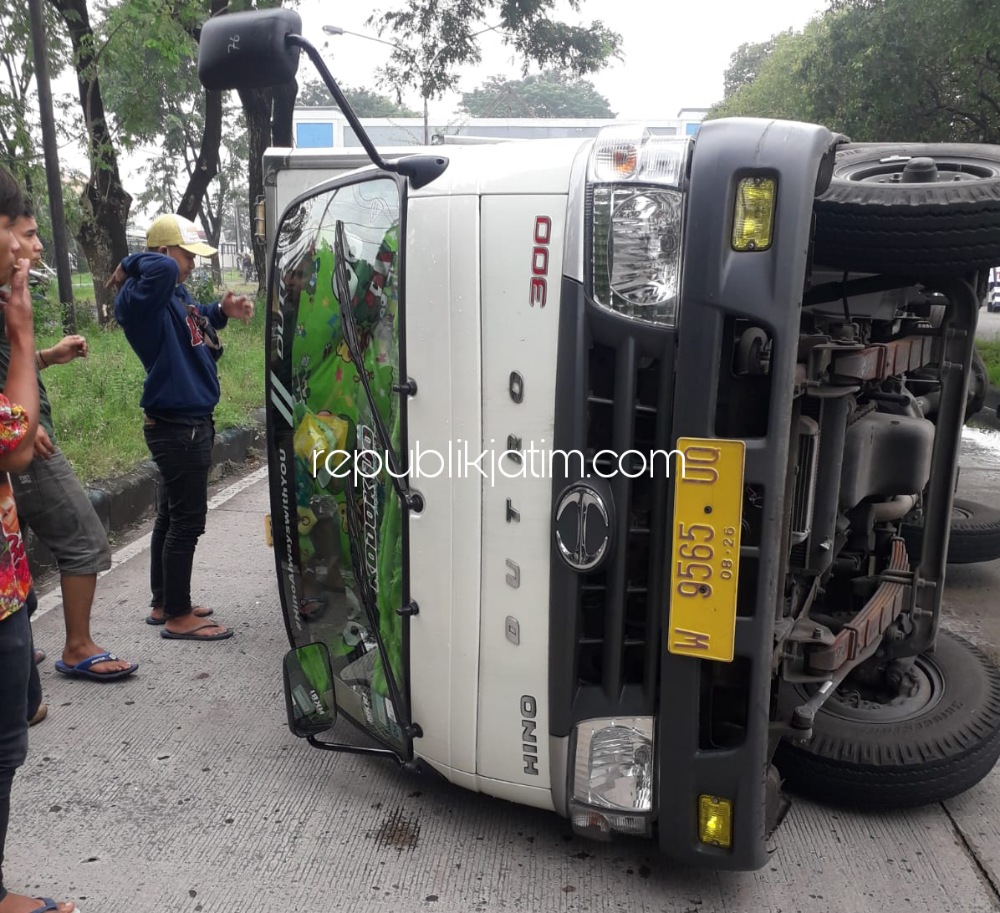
x=745 y=64
x=199 y=138
x=365 y=102
x=434 y=37
x=19 y=125
x=767 y=79
x=104 y=202
x=553 y=93
x=881 y=70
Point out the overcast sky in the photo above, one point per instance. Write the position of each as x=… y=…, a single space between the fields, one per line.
x=675 y=54
x=674 y=57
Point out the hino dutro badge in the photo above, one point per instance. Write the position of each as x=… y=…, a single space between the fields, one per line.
x=613 y=475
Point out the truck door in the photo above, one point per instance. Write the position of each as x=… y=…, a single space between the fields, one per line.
x=335 y=433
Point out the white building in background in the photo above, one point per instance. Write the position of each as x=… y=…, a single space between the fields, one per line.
x=326 y=127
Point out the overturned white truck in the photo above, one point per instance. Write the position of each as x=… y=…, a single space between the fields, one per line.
x=590 y=461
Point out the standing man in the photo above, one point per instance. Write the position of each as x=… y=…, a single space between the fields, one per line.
x=51 y=500
x=178 y=344
x=18 y=422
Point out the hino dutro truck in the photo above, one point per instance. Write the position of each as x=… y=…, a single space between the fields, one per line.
x=591 y=462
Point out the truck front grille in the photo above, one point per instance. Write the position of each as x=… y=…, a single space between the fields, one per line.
x=620 y=605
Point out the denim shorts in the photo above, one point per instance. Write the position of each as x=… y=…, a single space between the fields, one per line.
x=51 y=501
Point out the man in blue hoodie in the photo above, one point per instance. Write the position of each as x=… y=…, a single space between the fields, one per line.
x=178 y=344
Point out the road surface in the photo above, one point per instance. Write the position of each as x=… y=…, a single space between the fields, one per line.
x=181 y=790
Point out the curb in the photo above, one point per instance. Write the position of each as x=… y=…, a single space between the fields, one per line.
x=123 y=501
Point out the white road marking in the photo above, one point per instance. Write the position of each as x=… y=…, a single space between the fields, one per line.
x=53 y=600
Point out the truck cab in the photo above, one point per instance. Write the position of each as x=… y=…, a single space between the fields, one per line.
x=590 y=461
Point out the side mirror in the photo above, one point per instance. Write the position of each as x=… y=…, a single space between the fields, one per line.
x=249 y=50
x=309 y=691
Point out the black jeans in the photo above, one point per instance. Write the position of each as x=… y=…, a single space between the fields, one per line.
x=34 y=681
x=15 y=668
x=183 y=454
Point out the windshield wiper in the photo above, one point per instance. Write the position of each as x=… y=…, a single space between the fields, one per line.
x=410 y=498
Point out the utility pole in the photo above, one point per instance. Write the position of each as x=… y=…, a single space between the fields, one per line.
x=53 y=179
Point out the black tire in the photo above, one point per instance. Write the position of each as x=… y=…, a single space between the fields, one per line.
x=869 y=220
x=929 y=748
x=974 y=537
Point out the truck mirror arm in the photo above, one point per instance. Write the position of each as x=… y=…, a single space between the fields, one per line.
x=420 y=169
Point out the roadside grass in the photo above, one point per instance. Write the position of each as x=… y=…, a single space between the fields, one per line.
x=95 y=400
x=990 y=350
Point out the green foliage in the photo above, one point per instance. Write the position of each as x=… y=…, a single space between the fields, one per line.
x=202 y=287
x=365 y=102
x=552 y=93
x=990 y=350
x=157 y=38
x=434 y=37
x=95 y=400
x=745 y=64
x=879 y=70
x=20 y=130
x=766 y=79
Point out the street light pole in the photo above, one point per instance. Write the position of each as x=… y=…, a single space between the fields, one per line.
x=424 y=73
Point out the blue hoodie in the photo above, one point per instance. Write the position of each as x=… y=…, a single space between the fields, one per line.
x=152 y=309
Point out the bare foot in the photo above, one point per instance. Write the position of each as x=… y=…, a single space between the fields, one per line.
x=79 y=652
x=19 y=903
x=157 y=615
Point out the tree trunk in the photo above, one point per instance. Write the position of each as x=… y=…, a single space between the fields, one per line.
x=207 y=166
x=259 y=105
x=104 y=201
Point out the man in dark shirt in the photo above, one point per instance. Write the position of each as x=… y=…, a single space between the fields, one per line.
x=178 y=344
x=51 y=501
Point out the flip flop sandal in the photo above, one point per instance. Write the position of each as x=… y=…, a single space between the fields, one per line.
x=48 y=905
x=199 y=612
x=83 y=669
x=193 y=635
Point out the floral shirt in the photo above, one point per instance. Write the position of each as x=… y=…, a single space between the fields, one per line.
x=15 y=576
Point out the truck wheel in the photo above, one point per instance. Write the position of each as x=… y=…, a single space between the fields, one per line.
x=974 y=538
x=913 y=750
x=917 y=209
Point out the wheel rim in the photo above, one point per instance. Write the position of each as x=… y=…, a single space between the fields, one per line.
x=858 y=704
x=890 y=170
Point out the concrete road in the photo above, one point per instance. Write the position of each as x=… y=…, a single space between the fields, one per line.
x=181 y=790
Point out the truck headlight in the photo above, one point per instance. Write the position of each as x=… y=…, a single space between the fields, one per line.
x=613 y=771
x=636 y=257
x=636 y=220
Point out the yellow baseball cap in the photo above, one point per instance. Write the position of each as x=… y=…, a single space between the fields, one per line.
x=175 y=231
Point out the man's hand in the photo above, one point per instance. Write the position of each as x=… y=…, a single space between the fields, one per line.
x=64 y=351
x=117 y=279
x=17 y=306
x=238 y=307
x=44 y=448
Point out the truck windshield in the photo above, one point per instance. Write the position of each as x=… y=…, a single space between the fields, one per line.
x=340 y=554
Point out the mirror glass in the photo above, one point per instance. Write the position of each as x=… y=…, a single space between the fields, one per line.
x=309 y=692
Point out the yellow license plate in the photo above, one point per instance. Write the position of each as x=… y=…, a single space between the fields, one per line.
x=705 y=556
